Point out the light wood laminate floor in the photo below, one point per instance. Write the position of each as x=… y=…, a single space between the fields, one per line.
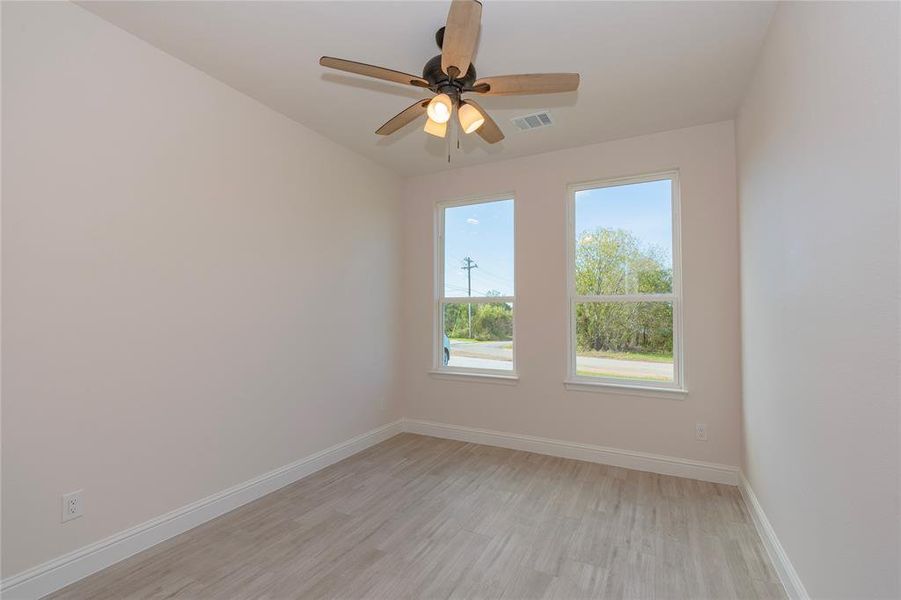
x=421 y=517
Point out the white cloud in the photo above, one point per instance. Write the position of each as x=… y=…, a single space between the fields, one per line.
x=472 y=221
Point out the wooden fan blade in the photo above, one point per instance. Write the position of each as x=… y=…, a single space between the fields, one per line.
x=372 y=71
x=407 y=115
x=489 y=131
x=460 y=36
x=536 y=83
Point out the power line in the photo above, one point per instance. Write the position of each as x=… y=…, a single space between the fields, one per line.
x=457 y=288
x=503 y=278
x=482 y=270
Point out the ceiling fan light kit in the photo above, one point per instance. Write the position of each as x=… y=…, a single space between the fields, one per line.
x=470 y=118
x=452 y=74
x=440 y=108
x=435 y=128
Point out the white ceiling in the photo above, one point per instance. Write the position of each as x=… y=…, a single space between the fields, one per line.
x=645 y=66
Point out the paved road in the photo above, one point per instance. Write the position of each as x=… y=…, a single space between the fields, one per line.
x=499 y=355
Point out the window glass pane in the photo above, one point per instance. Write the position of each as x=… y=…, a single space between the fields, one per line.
x=478 y=249
x=625 y=340
x=478 y=336
x=624 y=239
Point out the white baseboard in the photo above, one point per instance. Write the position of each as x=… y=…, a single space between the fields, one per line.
x=794 y=588
x=58 y=573
x=640 y=461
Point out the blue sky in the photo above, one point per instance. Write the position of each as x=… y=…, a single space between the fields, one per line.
x=483 y=232
x=645 y=209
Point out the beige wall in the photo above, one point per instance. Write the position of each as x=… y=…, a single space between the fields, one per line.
x=538 y=404
x=818 y=162
x=173 y=321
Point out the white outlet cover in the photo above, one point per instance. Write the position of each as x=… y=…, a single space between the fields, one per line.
x=73 y=507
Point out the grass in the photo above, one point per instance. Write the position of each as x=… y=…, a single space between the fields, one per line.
x=642 y=356
x=508 y=345
x=621 y=376
x=654 y=357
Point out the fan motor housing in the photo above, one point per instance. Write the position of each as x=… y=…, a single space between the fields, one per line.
x=438 y=79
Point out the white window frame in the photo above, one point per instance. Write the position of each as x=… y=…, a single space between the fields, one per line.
x=438 y=367
x=675 y=389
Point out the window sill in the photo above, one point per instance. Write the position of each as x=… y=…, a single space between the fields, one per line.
x=624 y=390
x=511 y=379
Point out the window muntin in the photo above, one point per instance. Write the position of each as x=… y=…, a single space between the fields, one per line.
x=624 y=283
x=474 y=309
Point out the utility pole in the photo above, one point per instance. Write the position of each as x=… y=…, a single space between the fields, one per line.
x=470 y=265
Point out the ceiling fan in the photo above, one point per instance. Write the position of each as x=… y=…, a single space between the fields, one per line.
x=452 y=74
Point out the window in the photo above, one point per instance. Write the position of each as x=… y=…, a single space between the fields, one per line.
x=624 y=282
x=475 y=298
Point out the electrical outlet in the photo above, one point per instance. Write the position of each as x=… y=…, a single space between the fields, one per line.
x=72 y=506
x=701 y=432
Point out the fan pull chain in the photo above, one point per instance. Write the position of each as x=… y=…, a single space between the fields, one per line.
x=456 y=134
x=452 y=133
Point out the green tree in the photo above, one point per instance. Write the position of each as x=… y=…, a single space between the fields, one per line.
x=455 y=324
x=613 y=262
x=489 y=321
x=493 y=322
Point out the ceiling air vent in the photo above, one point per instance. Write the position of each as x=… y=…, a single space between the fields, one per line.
x=533 y=121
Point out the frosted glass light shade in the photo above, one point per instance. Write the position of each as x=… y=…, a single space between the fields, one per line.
x=439 y=108
x=470 y=118
x=436 y=129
